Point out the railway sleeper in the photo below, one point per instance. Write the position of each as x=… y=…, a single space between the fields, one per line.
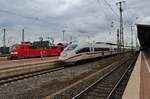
x=93 y=94
x=104 y=88
x=101 y=91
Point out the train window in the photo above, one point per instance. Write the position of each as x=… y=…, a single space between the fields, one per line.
x=82 y=50
x=107 y=49
x=71 y=47
x=115 y=49
x=101 y=49
x=91 y=48
x=98 y=49
x=14 y=47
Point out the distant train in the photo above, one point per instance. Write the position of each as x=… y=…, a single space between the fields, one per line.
x=36 y=49
x=81 y=51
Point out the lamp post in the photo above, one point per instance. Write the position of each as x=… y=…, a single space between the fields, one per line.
x=63 y=35
x=132 y=38
x=41 y=51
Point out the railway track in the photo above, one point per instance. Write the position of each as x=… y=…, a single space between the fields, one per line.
x=31 y=71
x=11 y=74
x=24 y=70
x=105 y=87
x=27 y=72
x=14 y=78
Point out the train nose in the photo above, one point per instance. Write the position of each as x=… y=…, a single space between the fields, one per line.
x=62 y=57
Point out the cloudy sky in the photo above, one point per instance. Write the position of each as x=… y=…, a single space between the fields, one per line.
x=81 y=19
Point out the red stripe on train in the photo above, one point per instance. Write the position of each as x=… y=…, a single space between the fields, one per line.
x=83 y=54
x=74 y=56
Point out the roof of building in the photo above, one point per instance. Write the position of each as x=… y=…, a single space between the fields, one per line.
x=143 y=31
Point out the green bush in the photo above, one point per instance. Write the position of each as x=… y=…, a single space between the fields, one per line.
x=4 y=50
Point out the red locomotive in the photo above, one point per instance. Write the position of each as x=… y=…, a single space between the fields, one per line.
x=35 y=49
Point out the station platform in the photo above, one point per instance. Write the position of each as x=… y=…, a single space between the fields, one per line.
x=4 y=63
x=138 y=86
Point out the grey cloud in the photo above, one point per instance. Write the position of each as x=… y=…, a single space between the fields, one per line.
x=77 y=17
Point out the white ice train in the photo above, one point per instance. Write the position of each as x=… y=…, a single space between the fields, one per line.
x=81 y=51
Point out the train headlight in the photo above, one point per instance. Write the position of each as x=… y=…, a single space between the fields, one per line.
x=64 y=55
x=13 y=52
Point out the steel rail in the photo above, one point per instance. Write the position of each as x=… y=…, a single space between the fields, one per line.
x=104 y=76
x=22 y=76
x=14 y=78
x=28 y=75
x=122 y=77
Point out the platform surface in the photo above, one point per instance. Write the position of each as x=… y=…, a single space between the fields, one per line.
x=4 y=63
x=139 y=83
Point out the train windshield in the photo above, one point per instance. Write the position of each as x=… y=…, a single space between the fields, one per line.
x=71 y=47
x=14 y=47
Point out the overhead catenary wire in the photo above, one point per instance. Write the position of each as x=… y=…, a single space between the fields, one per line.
x=109 y=19
x=100 y=5
x=112 y=9
x=107 y=16
x=115 y=13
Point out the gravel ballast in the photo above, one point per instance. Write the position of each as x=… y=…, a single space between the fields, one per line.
x=41 y=86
